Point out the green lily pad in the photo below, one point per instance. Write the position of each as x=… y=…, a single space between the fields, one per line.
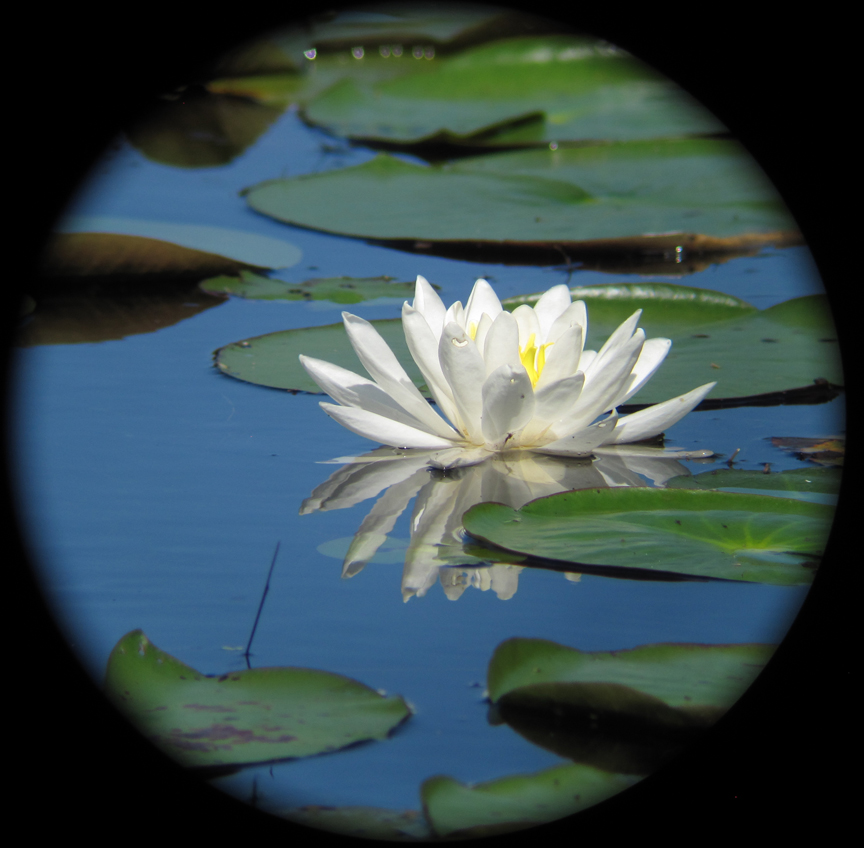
x=576 y=88
x=517 y=802
x=795 y=480
x=364 y=822
x=243 y=717
x=729 y=339
x=682 y=676
x=623 y=711
x=755 y=538
x=570 y=197
x=95 y=246
x=345 y=290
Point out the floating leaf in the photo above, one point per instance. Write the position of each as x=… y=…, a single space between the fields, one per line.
x=576 y=88
x=723 y=348
x=755 y=538
x=593 y=195
x=623 y=711
x=514 y=803
x=828 y=451
x=679 y=675
x=347 y=290
x=97 y=246
x=241 y=717
x=802 y=480
x=199 y=129
x=272 y=359
x=364 y=822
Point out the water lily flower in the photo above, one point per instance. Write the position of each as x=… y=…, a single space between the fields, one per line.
x=504 y=381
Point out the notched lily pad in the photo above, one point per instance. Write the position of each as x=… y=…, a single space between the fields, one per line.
x=243 y=717
x=796 y=480
x=724 y=348
x=692 y=195
x=459 y=810
x=125 y=248
x=755 y=538
x=344 y=290
x=624 y=711
x=578 y=88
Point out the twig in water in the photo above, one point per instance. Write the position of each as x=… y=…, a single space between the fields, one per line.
x=261 y=605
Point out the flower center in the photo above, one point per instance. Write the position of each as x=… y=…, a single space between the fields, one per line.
x=533 y=358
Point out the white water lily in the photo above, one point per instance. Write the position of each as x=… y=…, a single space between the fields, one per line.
x=505 y=381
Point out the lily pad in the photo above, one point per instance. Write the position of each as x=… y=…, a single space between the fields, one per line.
x=624 y=711
x=243 y=717
x=364 y=822
x=572 y=198
x=729 y=339
x=682 y=676
x=345 y=290
x=97 y=246
x=756 y=538
x=517 y=802
x=795 y=480
x=575 y=88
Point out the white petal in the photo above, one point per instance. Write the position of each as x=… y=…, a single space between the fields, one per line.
x=620 y=337
x=350 y=389
x=455 y=315
x=483 y=300
x=598 y=396
x=508 y=404
x=582 y=442
x=382 y=365
x=381 y=429
x=458 y=457
x=482 y=331
x=575 y=315
x=423 y=346
x=465 y=372
x=653 y=353
x=501 y=345
x=562 y=357
x=526 y=320
x=429 y=305
x=551 y=305
x=655 y=419
x=554 y=404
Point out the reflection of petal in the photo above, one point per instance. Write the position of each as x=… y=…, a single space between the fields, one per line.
x=354 y=483
x=380 y=520
x=436 y=547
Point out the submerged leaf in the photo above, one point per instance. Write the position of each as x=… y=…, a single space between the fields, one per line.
x=624 y=711
x=517 y=802
x=101 y=246
x=241 y=717
x=755 y=538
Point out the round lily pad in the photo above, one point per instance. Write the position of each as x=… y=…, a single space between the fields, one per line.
x=755 y=538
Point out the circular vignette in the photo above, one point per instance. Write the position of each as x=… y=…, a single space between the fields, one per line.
x=781 y=94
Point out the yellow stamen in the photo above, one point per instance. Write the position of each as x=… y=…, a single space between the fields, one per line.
x=533 y=359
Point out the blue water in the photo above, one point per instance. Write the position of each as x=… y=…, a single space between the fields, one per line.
x=154 y=490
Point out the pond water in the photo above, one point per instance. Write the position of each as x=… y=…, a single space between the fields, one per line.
x=155 y=489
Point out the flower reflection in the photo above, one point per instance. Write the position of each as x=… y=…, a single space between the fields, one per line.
x=436 y=549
